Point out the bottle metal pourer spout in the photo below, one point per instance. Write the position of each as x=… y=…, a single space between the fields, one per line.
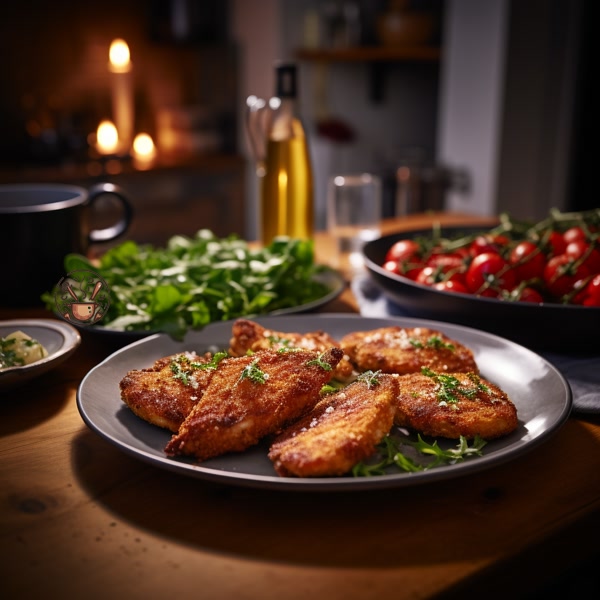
x=259 y=116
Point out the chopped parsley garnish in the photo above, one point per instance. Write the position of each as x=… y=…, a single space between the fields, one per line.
x=435 y=341
x=320 y=362
x=213 y=363
x=8 y=355
x=183 y=367
x=450 y=388
x=275 y=339
x=371 y=378
x=254 y=373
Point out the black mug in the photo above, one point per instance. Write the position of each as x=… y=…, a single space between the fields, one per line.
x=39 y=225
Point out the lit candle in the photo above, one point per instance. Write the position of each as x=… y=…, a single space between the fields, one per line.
x=144 y=151
x=122 y=92
x=107 y=139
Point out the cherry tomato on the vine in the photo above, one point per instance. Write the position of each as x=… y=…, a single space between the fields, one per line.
x=488 y=273
x=528 y=261
x=561 y=274
x=556 y=261
x=405 y=269
x=589 y=294
x=555 y=243
x=528 y=294
x=574 y=234
x=488 y=242
x=392 y=266
x=452 y=260
x=428 y=276
x=451 y=286
x=403 y=250
x=589 y=255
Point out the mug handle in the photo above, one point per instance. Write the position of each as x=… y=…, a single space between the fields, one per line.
x=110 y=233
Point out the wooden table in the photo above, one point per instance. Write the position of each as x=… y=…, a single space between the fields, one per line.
x=81 y=519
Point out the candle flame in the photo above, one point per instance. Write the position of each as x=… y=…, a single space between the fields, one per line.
x=107 y=138
x=144 y=151
x=143 y=146
x=119 y=56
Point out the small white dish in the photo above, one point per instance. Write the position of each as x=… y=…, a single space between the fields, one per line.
x=60 y=340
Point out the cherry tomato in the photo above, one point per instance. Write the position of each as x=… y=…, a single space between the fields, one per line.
x=489 y=272
x=589 y=295
x=574 y=234
x=392 y=266
x=561 y=274
x=488 y=242
x=593 y=292
x=428 y=276
x=452 y=260
x=528 y=294
x=451 y=286
x=590 y=256
x=403 y=250
x=431 y=274
x=528 y=261
x=555 y=243
x=401 y=268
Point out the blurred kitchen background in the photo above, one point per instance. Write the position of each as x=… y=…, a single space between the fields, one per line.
x=479 y=106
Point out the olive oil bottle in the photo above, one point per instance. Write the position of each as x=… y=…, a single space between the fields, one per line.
x=287 y=183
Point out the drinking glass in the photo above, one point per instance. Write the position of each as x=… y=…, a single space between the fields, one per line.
x=354 y=217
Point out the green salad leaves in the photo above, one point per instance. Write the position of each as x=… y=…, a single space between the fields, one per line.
x=198 y=280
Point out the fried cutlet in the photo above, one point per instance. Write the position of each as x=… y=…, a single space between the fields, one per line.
x=250 y=397
x=405 y=350
x=451 y=405
x=165 y=393
x=248 y=335
x=341 y=430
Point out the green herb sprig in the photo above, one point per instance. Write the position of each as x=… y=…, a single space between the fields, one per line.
x=319 y=362
x=450 y=388
x=8 y=355
x=370 y=378
x=183 y=367
x=435 y=341
x=254 y=373
x=389 y=452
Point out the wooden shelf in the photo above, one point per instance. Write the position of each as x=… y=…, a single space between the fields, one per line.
x=376 y=57
x=372 y=54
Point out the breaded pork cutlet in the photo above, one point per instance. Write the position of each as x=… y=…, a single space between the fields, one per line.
x=451 y=405
x=165 y=393
x=405 y=350
x=250 y=397
x=248 y=335
x=343 y=429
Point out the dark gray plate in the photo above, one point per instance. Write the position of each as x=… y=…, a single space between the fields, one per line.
x=540 y=393
x=542 y=327
x=59 y=339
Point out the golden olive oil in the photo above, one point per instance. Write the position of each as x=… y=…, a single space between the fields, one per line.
x=287 y=183
x=287 y=190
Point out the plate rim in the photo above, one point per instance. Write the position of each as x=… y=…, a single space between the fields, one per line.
x=344 y=483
